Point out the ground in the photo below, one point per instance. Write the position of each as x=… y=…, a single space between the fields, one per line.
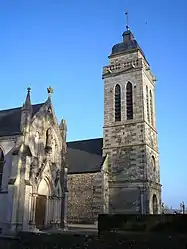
x=81 y=238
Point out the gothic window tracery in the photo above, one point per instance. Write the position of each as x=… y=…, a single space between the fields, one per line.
x=1 y=166
x=129 y=101
x=117 y=103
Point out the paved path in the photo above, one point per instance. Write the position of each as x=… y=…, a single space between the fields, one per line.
x=72 y=229
x=76 y=229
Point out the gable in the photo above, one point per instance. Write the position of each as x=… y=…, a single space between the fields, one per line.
x=10 y=120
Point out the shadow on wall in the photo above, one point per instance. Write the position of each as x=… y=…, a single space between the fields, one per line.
x=127 y=200
x=8 y=174
x=5 y=196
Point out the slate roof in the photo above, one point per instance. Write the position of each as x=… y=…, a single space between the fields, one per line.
x=123 y=47
x=85 y=156
x=10 y=120
x=93 y=146
x=129 y=44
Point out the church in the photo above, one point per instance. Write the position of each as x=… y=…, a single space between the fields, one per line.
x=33 y=167
x=47 y=182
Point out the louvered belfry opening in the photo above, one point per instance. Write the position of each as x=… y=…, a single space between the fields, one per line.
x=147 y=103
x=129 y=101
x=117 y=103
x=151 y=106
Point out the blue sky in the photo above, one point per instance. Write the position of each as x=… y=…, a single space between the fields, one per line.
x=65 y=44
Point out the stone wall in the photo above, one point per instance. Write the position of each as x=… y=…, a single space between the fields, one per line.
x=6 y=144
x=130 y=144
x=84 y=197
x=122 y=79
x=29 y=159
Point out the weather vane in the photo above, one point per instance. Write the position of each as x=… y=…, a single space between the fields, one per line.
x=127 y=20
x=50 y=90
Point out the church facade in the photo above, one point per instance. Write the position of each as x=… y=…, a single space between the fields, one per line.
x=47 y=182
x=33 y=169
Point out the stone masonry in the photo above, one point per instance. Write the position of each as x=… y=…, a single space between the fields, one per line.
x=131 y=145
x=84 y=197
x=34 y=168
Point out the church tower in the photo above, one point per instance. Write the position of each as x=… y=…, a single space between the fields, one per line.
x=130 y=136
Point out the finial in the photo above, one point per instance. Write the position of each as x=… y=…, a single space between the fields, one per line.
x=27 y=103
x=127 y=20
x=28 y=89
x=50 y=90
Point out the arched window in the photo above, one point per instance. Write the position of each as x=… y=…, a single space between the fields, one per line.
x=151 y=106
x=117 y=103
x=147 y=103
x=129 y=101
x=153 y=163
x=155 y=204
x=1 y=166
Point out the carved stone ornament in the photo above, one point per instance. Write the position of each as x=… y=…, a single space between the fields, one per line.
x=49 y=137
x=23 y=159
x=33 y=167
x=57 y=177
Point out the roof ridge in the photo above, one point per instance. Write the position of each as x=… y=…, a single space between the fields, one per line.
x=88 y=139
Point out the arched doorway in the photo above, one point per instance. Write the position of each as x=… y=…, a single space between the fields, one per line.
x=155 y=204
x=41 y=204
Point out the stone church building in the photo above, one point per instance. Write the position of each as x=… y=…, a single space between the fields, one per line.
x=33 y=169
x=120 y=172
x=47 y=182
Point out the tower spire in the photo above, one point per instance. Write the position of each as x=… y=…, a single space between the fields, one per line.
x=26 y=112
x=27 y=103
x=127 y=21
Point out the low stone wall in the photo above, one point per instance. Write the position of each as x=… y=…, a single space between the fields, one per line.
x=166 y=223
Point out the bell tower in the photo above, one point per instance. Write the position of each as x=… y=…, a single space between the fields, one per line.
x=130 y=136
